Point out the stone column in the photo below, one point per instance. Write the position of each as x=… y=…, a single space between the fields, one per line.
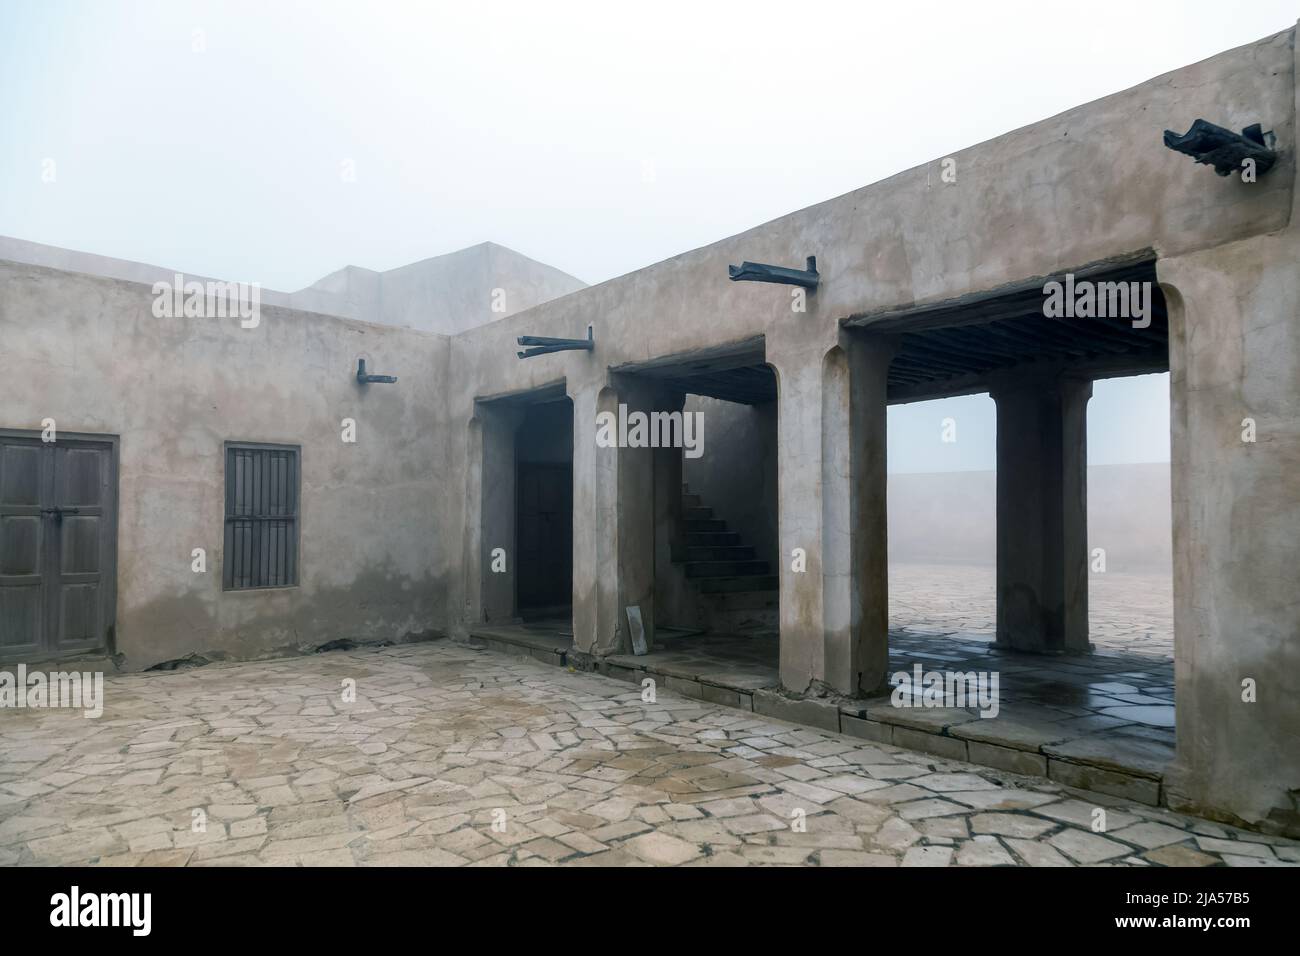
x=866 y=668
x=635 y=520
x=594 y=498
x=471 y=559
x=1234 y=355
x=831 y=491
x=799 y=505
x=1042 y=514
x=496 y=511
x=613 y=523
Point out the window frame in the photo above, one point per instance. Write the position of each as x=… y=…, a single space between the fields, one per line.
x=229 y=518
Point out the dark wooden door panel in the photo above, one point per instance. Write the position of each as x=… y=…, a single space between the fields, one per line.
x=20 y=546
x=21 y=473
x=79 y=616
x=24 y=468
x=57 y=547
x=81 y=491
x=22 y=619
x=80 y=473
x=81 y=551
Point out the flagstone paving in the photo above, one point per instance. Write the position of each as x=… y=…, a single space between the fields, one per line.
x=453 y=756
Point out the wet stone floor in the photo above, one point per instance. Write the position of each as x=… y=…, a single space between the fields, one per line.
x=1118 y=699
x=455 y=756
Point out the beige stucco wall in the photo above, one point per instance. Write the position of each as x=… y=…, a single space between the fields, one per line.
x=1235 y=355
x=89 y=353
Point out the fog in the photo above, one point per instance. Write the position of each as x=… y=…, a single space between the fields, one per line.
x=278 y=142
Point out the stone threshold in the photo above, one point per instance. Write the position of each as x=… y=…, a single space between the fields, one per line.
x=1131 y=768
x=546 y=646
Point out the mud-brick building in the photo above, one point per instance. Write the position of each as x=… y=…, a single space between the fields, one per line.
x=176 y=434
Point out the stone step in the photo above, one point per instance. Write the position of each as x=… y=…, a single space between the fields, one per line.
x=756 y=582
x=691 y=501
x=725 y=569
x=720 y=552
x=712 y=539
x=698 y=513
x=705 y=524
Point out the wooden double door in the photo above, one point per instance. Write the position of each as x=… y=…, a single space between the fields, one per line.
x=58 y=547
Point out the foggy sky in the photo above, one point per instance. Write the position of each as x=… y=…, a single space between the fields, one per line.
x=598 y=138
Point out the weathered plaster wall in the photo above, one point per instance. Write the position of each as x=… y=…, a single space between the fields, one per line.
x=89 y=353
x=1235 y=355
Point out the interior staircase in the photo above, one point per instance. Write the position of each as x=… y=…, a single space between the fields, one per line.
x=736 y=590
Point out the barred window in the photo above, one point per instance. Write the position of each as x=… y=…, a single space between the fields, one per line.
x=261 y=516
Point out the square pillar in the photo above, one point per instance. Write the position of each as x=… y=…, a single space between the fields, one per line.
x=490 y=514
x=594 y=497
x=635 y=522
x=613 y=524
x=869 y=361
x=799 y=516
x=1234 y=356
x=832 y=508
x=1042 y=514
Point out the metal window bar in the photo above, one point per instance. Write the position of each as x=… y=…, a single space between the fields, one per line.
x=261 y=518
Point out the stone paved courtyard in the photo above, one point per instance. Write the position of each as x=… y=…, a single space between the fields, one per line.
x=443 y=740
